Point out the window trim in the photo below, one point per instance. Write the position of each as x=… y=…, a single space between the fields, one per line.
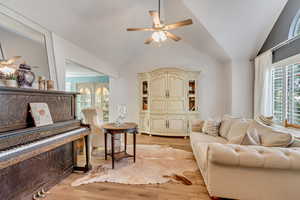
x=293 y=27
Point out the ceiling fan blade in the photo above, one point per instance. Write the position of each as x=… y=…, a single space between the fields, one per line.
x=173 y=36
x=149 y=40
x=155 y=16
x=140 y=29
x=178 y=24
x=13 y=59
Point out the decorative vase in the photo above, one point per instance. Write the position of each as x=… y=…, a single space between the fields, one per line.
x=122 y=111
x=25 y=76
x=11 y=83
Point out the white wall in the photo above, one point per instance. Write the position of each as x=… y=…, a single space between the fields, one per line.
x=213 y=81
x=65 y=50
x=242 y=83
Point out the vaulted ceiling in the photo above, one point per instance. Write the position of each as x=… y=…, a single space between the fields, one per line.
x=223 y=29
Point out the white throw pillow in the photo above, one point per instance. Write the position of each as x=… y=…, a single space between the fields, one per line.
x=226 y=123
x=268 y=121
x=238 y=128
x=250 y=138
x=272 y=137
x=211 y=127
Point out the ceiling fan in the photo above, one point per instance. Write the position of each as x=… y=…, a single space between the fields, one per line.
x=7 y=63
x=161 y=30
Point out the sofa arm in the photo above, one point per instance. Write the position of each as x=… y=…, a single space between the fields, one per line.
x=254 y=156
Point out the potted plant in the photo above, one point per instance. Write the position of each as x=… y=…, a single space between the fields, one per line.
x=11 y=80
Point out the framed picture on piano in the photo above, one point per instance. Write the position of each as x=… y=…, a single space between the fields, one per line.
x=41 y=114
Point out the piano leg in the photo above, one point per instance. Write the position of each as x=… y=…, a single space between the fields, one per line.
x=88 y=165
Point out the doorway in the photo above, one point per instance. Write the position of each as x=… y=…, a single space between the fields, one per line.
x=92 y=86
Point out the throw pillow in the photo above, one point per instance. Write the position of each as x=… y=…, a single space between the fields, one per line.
x=272 y=137
x=211 y=127
x=265 y=120
x=238 y=128
x=226 y=123
x=250 y=138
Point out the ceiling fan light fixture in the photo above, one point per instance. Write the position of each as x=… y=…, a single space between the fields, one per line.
x=159 y=36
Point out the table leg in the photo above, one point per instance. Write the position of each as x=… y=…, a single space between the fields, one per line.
x=105 y=145
x=125 y=139
x=113 y=150
x=87 y=153
x=134 y=146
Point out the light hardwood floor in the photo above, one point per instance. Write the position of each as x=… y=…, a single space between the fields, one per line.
x=112 y=191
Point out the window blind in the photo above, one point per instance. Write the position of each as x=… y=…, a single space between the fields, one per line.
x=278 y=93
x=286 y=93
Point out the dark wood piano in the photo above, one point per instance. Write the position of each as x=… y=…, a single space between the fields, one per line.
x=33 y=159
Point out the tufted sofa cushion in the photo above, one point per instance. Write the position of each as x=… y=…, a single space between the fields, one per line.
x=254 y=156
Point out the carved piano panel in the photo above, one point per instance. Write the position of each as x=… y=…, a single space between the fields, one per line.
x=15 y=106
x=42 y=171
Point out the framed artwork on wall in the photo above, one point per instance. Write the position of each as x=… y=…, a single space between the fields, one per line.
x=41 y=114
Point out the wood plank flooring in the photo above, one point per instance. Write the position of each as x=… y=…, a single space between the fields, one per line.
x=113 y=191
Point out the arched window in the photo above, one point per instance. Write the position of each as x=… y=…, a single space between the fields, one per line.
x=295 y=26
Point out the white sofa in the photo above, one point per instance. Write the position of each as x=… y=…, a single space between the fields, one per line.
x=246 y=172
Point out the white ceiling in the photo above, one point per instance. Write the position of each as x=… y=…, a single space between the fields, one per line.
x=239 y=26
x=223 y=29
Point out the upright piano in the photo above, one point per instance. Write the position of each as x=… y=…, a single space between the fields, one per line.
x=33 y=159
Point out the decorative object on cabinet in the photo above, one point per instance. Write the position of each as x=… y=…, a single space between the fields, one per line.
x=11 y=80
x=25 y=76
x=41 y=114
x=170 y=103
x=145 y=87
x=42 y=83
x=50 y=85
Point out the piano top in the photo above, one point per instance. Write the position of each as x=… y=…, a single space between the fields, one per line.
x=35 y=91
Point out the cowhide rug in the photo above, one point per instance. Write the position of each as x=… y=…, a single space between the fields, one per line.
x=154 y=165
